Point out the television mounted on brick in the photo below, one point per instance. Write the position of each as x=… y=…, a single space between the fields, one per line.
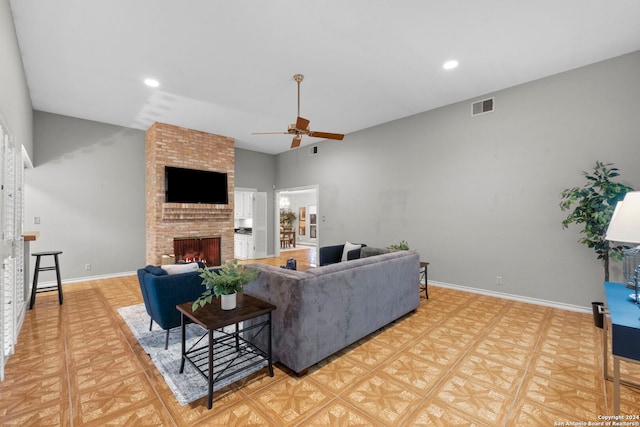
x=184 y=185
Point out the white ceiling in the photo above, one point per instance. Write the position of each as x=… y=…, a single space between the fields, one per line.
x=227 y=67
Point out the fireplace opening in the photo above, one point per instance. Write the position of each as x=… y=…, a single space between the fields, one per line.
x=203 y=249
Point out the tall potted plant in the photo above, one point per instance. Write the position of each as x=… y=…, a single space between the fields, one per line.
x=593 y=205
x=225 y=283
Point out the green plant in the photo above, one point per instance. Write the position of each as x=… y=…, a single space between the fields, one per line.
x=402 y=246
x=594 y=205
x=230 y=278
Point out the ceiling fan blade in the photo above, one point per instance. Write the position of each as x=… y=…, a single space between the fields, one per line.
x=302 y=123
x=296 y=141
x=269 y=133
x=327 y=135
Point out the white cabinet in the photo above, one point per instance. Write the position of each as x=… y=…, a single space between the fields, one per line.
x=243 y=204
x=247 y=247
x=243 y=246
x=236 y=246
x=238 y=205
x=247 y=204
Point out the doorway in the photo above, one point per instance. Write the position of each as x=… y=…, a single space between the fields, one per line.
x=297 y=221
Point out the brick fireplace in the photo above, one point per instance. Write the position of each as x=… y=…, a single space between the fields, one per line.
x=203 y=249
x=186 y=148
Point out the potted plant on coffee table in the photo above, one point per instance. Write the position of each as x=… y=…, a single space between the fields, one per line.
x=225 y=283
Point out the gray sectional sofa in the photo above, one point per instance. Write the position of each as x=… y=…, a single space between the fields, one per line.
x=325 y=309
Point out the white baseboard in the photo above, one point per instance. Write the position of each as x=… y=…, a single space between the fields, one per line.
x=537 y=301
x=546 y=303
x=87 y=278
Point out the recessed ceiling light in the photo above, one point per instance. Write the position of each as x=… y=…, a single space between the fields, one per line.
x=151 y=82
x=450 y=65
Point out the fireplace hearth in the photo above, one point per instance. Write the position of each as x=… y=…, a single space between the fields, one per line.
x=203 y=249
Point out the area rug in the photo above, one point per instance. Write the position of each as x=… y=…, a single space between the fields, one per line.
x=190 y=385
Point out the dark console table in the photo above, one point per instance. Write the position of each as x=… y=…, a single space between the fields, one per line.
x=625 y=334
x=226 y=354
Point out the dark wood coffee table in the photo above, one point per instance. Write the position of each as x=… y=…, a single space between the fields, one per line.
x=233 y=353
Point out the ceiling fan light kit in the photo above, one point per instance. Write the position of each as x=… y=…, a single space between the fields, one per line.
x=301 y=126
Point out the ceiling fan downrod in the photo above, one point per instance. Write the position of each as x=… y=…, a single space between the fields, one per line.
x=298 y=78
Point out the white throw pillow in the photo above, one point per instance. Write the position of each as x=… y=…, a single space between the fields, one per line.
x=348 y=247
x=180 y=268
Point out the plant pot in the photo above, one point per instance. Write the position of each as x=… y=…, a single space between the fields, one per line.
x=228 y=302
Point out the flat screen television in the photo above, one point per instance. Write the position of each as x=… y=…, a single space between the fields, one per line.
x=195 y=186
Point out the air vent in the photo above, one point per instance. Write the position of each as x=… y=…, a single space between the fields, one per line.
x=313 y=150
x=481 y=107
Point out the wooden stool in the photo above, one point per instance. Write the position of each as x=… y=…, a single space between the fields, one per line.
x=55 y=267
x=423 y=274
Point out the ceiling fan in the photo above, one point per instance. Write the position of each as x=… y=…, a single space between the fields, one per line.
x=301 y=126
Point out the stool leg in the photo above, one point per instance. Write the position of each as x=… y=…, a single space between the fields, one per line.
x=35 y=283
x=58 y=278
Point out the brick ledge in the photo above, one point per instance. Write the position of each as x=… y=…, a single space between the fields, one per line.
x=173 y=212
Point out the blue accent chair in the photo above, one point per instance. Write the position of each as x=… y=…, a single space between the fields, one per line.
x=161 y=293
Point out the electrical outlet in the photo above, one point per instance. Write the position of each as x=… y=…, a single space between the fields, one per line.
x=36 y=220
x=499 y=280
x=87 y=267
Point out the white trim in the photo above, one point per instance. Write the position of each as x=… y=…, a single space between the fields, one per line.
x=26 y=160
x=546 y=303
x=529 y=300
x=88 y=278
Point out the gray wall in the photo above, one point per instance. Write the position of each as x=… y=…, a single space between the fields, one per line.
x=478 y=196
x=257 y=170
x=88 y=189
x=15 y=102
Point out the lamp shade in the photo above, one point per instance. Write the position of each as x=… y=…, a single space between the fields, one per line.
x=625 y=221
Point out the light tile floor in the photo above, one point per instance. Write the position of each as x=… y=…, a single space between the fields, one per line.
x=461 y=359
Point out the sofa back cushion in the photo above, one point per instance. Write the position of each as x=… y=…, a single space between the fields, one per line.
x=356 y=263
x=368 y=251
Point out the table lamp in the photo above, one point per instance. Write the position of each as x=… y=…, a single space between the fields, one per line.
x=625 y=227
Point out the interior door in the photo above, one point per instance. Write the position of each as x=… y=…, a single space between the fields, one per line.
x=259 y=225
